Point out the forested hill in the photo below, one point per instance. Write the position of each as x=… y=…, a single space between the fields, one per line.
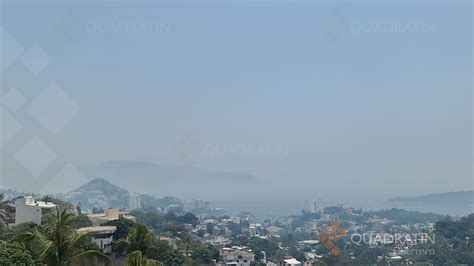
x=450 y=198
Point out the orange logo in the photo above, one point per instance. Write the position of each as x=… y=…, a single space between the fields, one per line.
x=185 y=148
x=331 y=235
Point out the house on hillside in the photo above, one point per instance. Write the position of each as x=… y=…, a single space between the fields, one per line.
x=290 y=262
x=30 y=210
x=238 y=256
x=110 y=214
x=101 y=235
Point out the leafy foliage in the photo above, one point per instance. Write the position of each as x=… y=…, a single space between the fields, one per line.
x=139 y=238
x=83 y=221
x=205 y=254
x=60 y=245
x=166 y=254
x=123 y=227
x=15 y=254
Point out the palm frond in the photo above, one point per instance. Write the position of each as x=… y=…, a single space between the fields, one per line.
x=59 y=244
x=134 y=259
x=121 y=244
x=79 y=240
x=150 y=262
x=49 y=253
x=89 y=257
x=24 y=237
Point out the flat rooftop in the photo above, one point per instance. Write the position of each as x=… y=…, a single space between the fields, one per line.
x=97 y=229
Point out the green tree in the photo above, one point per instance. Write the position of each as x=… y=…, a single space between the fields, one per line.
x=15 y=254
x=139 y=238
x=166 y=254
x=188 y=218
x=186 y=241
x=59 y=244
x=3 y=230
x=174 y=228
x=83 y=221
x=204 y=254
x=136 y=258
x=123 y=227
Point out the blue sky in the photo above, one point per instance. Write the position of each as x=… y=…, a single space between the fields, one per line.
x=377 y=95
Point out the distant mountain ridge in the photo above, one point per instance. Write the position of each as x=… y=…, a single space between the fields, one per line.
x=9 y=194
x=447 y=198
x=137 y=176
x=453 y=203
x=183 y=181
x=141 y=169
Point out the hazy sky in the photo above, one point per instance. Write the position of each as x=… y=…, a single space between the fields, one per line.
x=358 y=99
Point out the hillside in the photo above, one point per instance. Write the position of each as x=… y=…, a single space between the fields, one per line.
x=458 y=203
x=445 y=199
x=101 y=193
x=9 y=194
x=98 y=193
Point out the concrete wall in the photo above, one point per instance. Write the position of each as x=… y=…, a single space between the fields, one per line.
x=27 y=213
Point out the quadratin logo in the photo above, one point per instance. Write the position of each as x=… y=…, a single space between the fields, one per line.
x=331 y=235
x=185 y=147
x=332 y=24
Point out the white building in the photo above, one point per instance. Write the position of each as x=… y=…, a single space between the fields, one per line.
x=290 y=262
x=274 y=230
x=134 y=201
x=238 y=256
x=30 y=210
x=255 y=229
x=218 y=241
x=101 y=235
x=306 y=206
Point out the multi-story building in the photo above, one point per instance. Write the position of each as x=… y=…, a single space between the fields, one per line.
x=134 y=201
x=238 y=256
x=101 y=235
x=255 y=229
x=30 y=210
x=111 y=214
x=218 y=241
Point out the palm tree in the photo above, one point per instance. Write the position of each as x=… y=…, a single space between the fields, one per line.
x=136 y=259
x=139 y=243
x=61 y=245
x=186 y=240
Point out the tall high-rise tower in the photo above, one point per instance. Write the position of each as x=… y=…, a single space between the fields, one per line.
x=134 y=201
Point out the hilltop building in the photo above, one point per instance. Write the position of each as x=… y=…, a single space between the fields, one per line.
x=238 y=256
